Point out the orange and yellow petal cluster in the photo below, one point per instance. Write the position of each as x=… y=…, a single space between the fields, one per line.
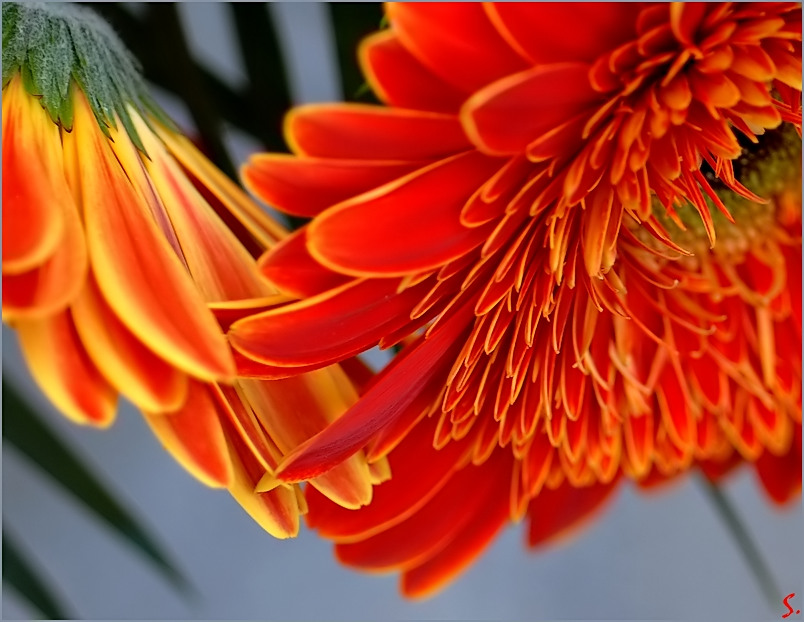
x=113 y=255
x=565 y=216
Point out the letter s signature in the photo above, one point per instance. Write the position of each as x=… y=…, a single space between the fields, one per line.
x=789 y=608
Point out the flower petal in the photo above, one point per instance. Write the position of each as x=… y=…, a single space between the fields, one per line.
x=35 y=193
x=326 y=328
x=456 y=41
x=194 y=436
x=399 y=79
x=510 y=113
x=307 y=186
x=380 y=405
x=381 y=233
x=363 y=132
x=138 y=273
x=51 y=286
x=132 y=369
x=60 y=365
x=564 y=31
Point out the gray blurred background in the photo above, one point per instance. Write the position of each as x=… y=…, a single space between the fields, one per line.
x=649 y=556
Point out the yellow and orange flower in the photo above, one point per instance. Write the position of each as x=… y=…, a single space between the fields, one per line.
x=118 y=239
x=570 y=217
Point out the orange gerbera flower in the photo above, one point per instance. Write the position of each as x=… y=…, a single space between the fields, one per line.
x=115 y=243
x=532 y=216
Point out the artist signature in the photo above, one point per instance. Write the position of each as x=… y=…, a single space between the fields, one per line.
x=786 y=603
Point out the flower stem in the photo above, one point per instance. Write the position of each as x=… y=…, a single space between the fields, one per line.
x=739 y=532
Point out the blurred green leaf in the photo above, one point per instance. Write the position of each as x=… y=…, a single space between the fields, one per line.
x=27 y=582
x=23 y=429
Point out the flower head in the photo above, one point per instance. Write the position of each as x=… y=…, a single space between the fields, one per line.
x=121 y=242
x=588 y=246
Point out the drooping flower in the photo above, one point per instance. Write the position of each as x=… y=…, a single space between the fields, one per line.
x=588 y=244
x=118 y=238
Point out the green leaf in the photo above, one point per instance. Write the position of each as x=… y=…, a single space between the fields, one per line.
x=28 y=583
x=23 y=428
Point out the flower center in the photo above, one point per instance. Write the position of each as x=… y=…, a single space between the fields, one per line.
x=771 y=169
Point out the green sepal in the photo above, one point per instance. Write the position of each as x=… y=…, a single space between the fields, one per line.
x=57 y=47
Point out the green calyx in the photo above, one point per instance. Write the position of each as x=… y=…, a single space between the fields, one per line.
x=57 y=47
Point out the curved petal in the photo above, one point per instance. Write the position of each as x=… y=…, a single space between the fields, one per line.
x=469 y=542
x=131 y=368
x=277 y=511
x=194 y=436
x=551 y=32
x=290 y=267
x=138 y=273
x=60 y=365
x=419 y=472
x=508 y=114
x=307 y=186
x=364 y=132
x=380 y=405
x=554 y=513
x=409 y=225
x=35 y=193
x=456 y=41
x=400 y=80
x=220 y=266
x=326 y=328
x=294 y=409
x=51 y=286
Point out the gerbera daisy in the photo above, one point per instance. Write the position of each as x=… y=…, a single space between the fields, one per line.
x=117 y=236
x=589 y=246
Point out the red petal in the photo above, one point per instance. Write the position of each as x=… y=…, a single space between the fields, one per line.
x=290 y=267
x=470 y=542
x=410 y=225
x=35 y=193
x=363 y=132
x=60 y=365
x=194 y=436
x=413 y=483
x=781 y=476
x=329 y=327
x=400 y=80
x=137 y=271
x=135 y=371
x=51 y=286
x=556 y=31
x=380 y=405
x=554 y=513
x=307 y=186
x=510 y=113
x=456 y=41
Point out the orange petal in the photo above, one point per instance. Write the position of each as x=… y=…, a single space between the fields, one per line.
x=510 y=113
x=295 y=409
x=415 y=481
x=51 y=286
x=363 y=132
x=138 y=273
x=60 y=365
x=554 y=513
x=135 y=371
x=326 y=328
x=401 y=80
x=456 y=41
x=35 y=193
x=380 y=233
x=469 y=542
x=556 y=31
x=307 y=186
x=290 y=267
x=193 y=435
x=380 y=405
x=276 y=511
x=220 y=266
